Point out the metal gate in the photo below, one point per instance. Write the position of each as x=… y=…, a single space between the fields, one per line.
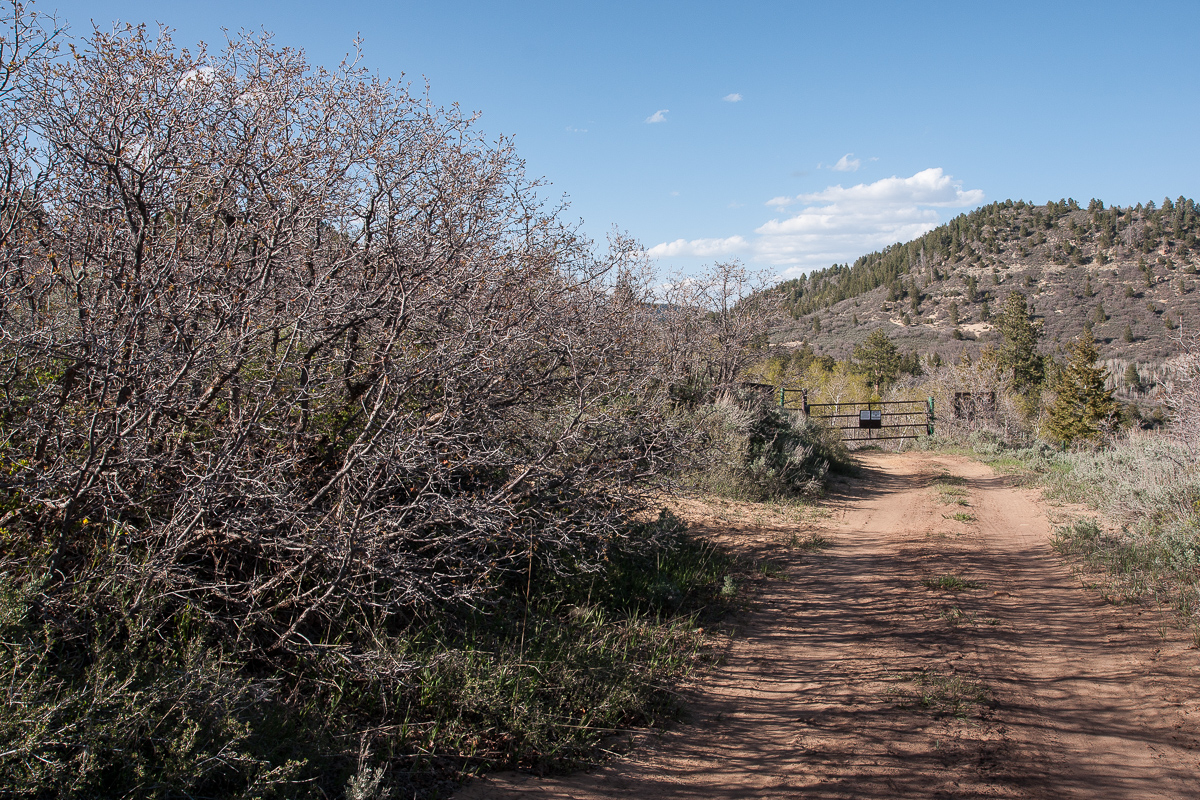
x=866 y=422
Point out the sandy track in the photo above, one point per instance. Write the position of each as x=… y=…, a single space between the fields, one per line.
x=820 y=694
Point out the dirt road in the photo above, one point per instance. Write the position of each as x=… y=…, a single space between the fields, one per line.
x=936 y=648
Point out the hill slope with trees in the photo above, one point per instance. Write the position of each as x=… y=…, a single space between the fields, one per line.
x=1129 y=275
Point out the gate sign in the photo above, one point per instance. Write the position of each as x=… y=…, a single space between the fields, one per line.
x=870 y=419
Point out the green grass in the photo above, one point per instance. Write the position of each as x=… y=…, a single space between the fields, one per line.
x=950 y=490
x=139 y=705
x=769 y=569
x=963 y=516
x=950 y=583
x=811 y=542
x=944 y=695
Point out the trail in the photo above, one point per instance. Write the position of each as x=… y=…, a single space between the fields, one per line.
x=853 y=679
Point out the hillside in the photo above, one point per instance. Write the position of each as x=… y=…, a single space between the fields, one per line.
x=1129 y=273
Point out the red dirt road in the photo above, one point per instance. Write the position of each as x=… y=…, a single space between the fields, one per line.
x=853 y=679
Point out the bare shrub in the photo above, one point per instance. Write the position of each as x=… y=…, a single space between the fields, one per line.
x=1182 y=395
x=281 y=345
x=713 y=325
x=987 y=408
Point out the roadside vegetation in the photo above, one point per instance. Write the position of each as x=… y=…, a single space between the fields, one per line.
x=331 y=458
x=1052 y=415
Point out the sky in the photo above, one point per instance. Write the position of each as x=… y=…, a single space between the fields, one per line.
x=788 y=135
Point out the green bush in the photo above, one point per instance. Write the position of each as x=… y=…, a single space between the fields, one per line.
x=131 y=701
x=762 y=452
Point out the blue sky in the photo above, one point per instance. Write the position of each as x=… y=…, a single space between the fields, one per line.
x=787 y=134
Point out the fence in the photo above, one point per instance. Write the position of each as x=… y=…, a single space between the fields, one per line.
x=877 y=421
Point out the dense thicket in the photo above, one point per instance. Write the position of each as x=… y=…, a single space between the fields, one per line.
x=302 y=337
x=291 y=360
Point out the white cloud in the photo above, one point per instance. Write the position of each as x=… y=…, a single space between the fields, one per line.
x=704 y=248
x=847 y=164
x=658 y=116
x=732 y=98
x=929 y=187
x=576 y=130
x=839 y=224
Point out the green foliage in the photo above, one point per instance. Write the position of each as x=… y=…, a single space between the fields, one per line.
x=1018 y=350
x=878 y=359
x=1083 y=407
x=1132 y=379
x=768 y=453
x=136 y=706
x=950 y=583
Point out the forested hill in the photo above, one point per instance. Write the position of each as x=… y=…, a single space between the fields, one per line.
x=1128 y=274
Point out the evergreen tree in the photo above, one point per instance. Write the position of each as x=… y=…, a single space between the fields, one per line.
x=1018 y=351
x=878 y=359
x=1128 y=335
x=1083 y=408
x=1132 y=379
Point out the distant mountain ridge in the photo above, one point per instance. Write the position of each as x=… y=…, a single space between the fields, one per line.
x=1127 y=274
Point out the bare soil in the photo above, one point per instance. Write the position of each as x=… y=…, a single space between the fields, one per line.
x=922 y=655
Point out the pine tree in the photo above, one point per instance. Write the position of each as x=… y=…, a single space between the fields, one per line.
x=1018 y=351
x=1083 y=408
x=1128 y=335
x=878 y=359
